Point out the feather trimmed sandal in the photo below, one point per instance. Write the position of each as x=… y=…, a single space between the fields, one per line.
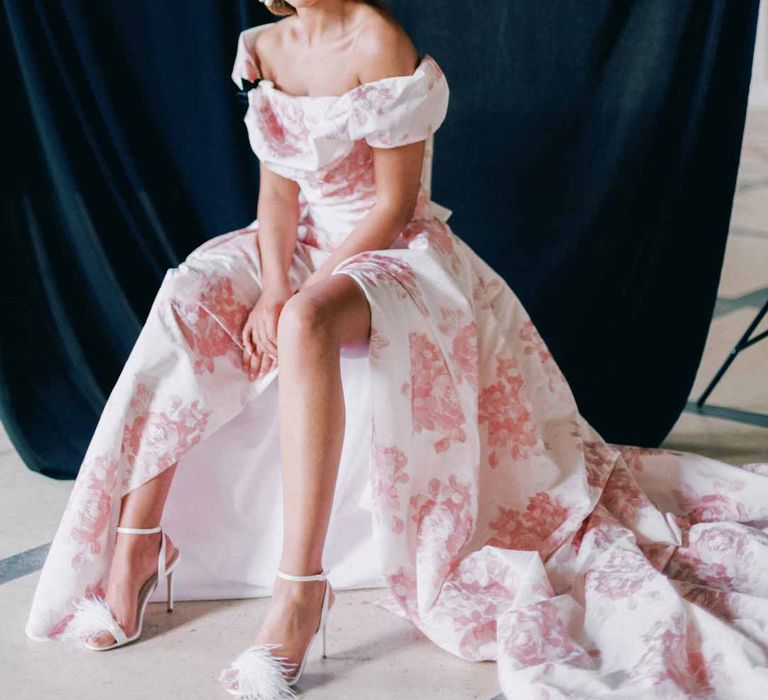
x=92 y=615
x=257 y=674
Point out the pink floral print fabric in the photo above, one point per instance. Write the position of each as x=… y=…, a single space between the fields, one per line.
x=506 y=527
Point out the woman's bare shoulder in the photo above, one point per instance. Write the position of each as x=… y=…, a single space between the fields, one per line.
x=383 y=48
x=268 y=42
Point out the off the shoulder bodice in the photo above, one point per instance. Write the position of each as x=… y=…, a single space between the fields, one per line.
x=325 y=142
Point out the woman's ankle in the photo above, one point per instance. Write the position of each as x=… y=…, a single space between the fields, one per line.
x=138 y=546
x=297 y=591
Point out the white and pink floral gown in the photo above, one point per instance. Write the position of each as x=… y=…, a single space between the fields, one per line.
x=501 y=523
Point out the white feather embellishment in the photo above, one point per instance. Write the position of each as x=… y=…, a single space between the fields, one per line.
x=258 y=675
x=92 y=615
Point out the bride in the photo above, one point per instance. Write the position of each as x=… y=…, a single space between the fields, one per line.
x=505 y=527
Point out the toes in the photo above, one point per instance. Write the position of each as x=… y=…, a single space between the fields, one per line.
x=259 y=674
x=101 y=639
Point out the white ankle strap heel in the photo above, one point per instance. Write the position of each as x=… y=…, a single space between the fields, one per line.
x=163 y=572
x=93 y=615
x=256 y=673
x=322 y=576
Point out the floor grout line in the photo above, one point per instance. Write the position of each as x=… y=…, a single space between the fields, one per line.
x=750 y=186
x=746 y=232
x=23 y=563
x=751 y=300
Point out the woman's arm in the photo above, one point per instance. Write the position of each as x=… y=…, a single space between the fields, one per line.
x=397 y=172
x=278 y=212
x=278 y=217
x=384 y=51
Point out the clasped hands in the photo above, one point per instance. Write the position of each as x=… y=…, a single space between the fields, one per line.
x=260 y=332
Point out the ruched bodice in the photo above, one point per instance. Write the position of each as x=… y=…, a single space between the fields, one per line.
x=325 y=143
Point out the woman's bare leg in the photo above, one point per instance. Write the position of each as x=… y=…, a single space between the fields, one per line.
x=135 y=556
x=314 y=326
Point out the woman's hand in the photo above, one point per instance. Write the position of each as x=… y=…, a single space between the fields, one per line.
x=260 y=332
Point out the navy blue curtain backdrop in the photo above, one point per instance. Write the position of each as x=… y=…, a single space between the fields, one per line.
x=589 y=155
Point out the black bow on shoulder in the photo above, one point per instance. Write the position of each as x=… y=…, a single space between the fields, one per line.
x=242 y=95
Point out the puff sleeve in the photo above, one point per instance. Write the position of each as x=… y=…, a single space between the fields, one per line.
x=245 y=66
x=395 y=111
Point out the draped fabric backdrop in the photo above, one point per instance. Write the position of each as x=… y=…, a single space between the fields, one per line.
x=589 y=155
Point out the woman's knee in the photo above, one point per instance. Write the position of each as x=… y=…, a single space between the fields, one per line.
x=304 y=317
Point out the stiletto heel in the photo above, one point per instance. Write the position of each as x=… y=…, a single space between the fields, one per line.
x=169 y=591
x=256 y=673
x=93 y=615
x=324 y=655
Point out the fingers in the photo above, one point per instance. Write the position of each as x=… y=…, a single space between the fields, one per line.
x=259 y=364
x=267 y=338
x=270 y=341
x=263 y=365
x=254 y=364
x=271 y=364
x=248 y=346
x=259 y=348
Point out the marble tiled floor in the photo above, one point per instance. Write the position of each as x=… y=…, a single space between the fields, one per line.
x=372 y=653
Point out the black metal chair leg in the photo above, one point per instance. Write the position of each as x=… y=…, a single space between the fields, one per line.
x=744 y=342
